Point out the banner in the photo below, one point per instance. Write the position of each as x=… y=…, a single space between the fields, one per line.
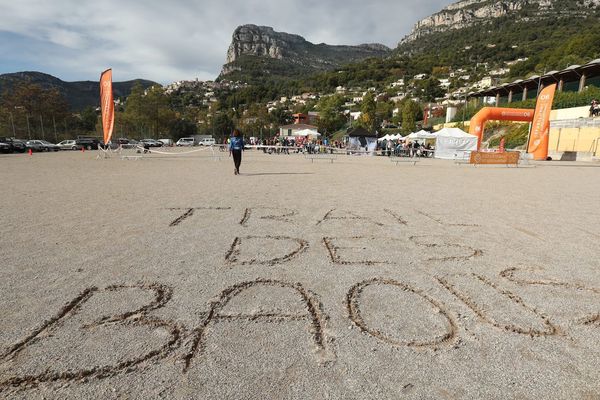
x=540 y=128
x=506 y=158
x=107 y=104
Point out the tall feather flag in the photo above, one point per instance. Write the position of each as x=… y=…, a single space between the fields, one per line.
x=540 y=128
x=107 y=104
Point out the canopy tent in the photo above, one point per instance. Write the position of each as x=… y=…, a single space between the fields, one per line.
x=391 y=137
x=362 y=141
x=454 y=143
x=307 y=132
x=422 y=135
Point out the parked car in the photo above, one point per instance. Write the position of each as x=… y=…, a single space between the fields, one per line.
x=88 y=143
x=69 y=145
x=185 y=141
x=207 y=142
x=151 y=143
x=50 y=146
x=167 y=142
x=123 y=142
x=5 y=148
x=35 y=145
x=14 y=145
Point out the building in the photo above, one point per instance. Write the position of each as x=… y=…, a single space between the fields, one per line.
x=311 y=118
x=291 y=130
x=572 y=79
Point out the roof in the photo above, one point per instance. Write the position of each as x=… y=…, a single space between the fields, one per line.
x=453 y=133
x=572 y=73
x=360 y=131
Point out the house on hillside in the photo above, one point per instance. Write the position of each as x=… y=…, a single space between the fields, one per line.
x=311 y=118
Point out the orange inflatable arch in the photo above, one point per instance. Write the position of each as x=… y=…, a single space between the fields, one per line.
x=497 y=114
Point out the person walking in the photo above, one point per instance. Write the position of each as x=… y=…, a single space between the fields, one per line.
x=236 y=146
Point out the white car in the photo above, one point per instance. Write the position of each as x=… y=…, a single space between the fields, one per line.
x=69 y=145
x=167 y=142
x=185 y=141
x=207 y=142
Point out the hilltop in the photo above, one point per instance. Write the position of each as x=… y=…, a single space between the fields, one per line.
x=256 y=51
x=78 y=94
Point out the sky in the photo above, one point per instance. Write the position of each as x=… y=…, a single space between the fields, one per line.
x=171 y=40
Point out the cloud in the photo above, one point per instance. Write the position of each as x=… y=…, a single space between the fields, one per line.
x=180 y=39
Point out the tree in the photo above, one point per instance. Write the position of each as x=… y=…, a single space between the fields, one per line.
x=410 y=109
x=182 y=128
x=222 y=125
x=430 y=89
x=88 y=119
x=38 y=106
x=368 y=117
x=280 y=116
x=331 y=117
x=147 y=113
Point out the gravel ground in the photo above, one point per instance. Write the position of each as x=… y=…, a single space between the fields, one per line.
x=169 y=277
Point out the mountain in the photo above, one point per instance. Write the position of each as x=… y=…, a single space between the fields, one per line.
x=259 y=51
x=545 y=34
x=78 y=94
x=466 y=13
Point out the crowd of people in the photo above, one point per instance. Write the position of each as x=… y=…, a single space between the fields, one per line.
x=405 y=148
x=287 y=145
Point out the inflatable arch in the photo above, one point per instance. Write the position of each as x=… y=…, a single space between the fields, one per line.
x=497 y=114
x=538 y=136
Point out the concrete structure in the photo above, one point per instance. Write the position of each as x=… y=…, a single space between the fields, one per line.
x=573 y=135
x=572 y=79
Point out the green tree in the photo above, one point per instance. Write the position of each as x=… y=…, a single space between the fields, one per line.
x=222 y=125
x=88 y=119
x=182 y=128
x=280 y=116
x=331 y=117
x=410 y=110
x=368 y=117
x=147 y=113
x=37 y=106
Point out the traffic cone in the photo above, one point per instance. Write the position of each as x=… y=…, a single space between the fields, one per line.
x=30 y=152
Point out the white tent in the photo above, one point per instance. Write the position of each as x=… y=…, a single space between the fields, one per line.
x=386 y=137
x=307 y=132
x=454 y=143
x=422 y=135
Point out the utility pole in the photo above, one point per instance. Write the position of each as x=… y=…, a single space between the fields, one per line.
x=464 y=111
x=28 y=129
x=12 y=121
x=55 y=134
x=42 y=125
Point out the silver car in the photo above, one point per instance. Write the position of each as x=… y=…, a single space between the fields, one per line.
x=69 y=145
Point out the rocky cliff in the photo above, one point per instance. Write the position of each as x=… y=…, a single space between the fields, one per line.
x=464 y=13
x=251 y=41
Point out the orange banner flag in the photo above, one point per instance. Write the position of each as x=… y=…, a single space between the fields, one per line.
x=540 y=128
x=107 y=104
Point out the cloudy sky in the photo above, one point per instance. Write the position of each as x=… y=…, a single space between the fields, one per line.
x=166 y=40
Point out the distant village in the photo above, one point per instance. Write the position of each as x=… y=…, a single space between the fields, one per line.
x=456 y=86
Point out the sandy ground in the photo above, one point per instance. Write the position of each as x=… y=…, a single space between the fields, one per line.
x=173 y=278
